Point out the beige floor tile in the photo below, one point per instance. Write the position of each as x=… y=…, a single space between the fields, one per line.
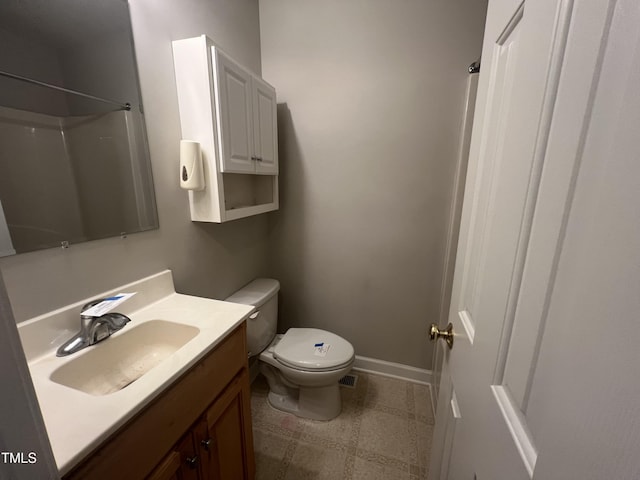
x=351 y=395
x=387 y=392
x=276 y=421
x=422 y=398
x=367 y=470
x=311 y=461
x=270 y=450
x=387 y=435
x=341 y=429
x=382 y=433
x=425 y=437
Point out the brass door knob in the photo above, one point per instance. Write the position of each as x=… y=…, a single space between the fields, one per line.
x=446 y=334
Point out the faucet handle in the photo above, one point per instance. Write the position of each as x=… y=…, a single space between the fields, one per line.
x=103 y=326
x=100 y=333
x=116 y=319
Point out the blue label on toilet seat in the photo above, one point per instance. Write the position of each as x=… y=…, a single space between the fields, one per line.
x=321 y=349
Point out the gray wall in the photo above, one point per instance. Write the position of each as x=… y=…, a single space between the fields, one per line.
x=102 y=66
x=207 y=260
x=371 y=98
x=43 y=63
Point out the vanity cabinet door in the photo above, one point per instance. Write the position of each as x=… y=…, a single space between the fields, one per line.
x=182 y=463
x=226 y=439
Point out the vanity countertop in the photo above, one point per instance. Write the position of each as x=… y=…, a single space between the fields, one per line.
x=77 y=422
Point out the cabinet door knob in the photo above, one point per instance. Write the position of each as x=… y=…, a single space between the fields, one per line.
x=254 y=158
x=206 y=443
x=192 y=462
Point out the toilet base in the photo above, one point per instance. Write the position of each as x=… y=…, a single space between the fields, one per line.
x=316 y=403
x=320 y=403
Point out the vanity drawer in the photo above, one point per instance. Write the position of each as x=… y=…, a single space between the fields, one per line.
x=134 y=450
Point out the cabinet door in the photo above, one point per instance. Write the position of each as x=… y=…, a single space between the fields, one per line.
x=233 y=93
x=180 y=464
x=265 y=129
x=226 y=440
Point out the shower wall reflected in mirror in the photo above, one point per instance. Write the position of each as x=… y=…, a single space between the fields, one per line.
x=74 y=158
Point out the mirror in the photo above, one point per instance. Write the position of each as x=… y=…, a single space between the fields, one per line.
x=74 y=158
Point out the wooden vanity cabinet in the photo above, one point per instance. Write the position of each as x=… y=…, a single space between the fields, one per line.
x=214 y=449
x=222 y=444
x=198 y=429
x=180 y=463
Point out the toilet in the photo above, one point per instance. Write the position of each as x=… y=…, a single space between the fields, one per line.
x=302 y=366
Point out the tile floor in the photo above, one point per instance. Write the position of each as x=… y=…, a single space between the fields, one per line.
x=384 y=432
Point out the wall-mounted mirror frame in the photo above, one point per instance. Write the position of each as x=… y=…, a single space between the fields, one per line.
x=74 y=157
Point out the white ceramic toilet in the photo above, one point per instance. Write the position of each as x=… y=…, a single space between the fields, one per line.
x=304 y=365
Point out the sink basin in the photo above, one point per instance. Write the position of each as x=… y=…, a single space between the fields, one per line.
x=119 y=361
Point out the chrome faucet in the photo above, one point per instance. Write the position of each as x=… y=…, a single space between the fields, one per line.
x=93 y=329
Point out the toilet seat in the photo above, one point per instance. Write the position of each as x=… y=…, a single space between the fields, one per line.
x=312 y=349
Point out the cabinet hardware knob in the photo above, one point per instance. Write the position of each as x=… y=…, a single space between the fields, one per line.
x=254 y=158
x=192 y=462
x=206 y=443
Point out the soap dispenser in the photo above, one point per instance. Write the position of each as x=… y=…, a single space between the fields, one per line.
x=191 y=169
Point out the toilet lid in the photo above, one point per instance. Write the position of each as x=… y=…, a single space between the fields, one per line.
x=313 y=349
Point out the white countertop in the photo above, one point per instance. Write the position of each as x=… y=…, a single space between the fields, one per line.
x=77 y=422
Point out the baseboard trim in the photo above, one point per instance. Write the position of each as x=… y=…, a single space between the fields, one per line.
x=393 y=370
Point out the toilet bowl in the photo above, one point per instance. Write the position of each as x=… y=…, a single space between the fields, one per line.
x=303 y=365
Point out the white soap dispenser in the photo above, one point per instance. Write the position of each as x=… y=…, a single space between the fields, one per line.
x=191 y=169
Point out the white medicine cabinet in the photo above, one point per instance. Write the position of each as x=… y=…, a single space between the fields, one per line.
x=231 y=112
x=247 y=118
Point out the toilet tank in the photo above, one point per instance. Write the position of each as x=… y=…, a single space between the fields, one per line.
x=262 y=293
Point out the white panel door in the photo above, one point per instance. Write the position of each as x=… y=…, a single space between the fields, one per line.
x=541 y=61
x=265 y=131
x=514 y=71
x=234 y=116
